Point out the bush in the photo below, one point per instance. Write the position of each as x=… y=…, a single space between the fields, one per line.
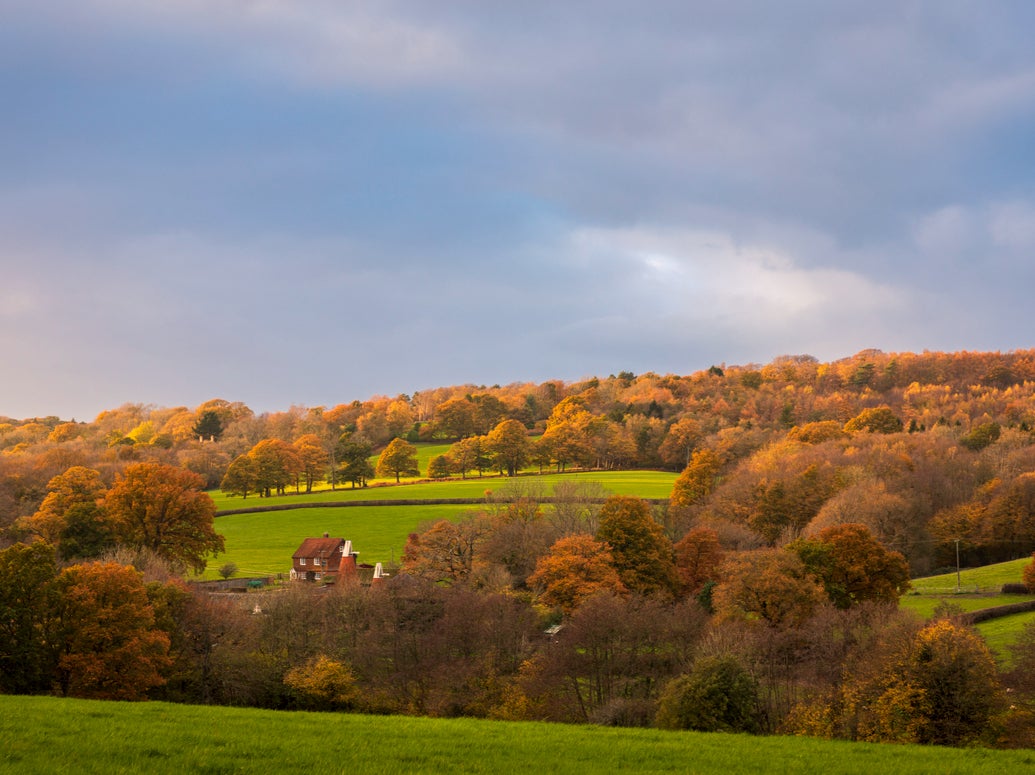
x=717 y=695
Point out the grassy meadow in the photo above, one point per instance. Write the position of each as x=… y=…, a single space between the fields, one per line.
x=261 y=543
x=979 y=589
x=47 y=734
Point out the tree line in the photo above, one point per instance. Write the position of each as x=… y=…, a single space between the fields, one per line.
x=574 y=611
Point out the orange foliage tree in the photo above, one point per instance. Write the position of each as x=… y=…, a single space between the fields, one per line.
x=163 y=508
x=108 y=644
x=576 y=568
x=853 y=565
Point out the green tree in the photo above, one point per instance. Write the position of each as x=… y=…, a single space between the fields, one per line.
x=27 y=601
x=399 y=458
x=643 y=555
x=718 y=695
x=353 y=455
x=470 y=454
x=509 y=446
x=163 y=508
x=209 y=425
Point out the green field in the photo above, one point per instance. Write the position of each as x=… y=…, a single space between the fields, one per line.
x=643 y=484
x=46 y=734
x=979 y=589
x=261 y=544
x=988 y=578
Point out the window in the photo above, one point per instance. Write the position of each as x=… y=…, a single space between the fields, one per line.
x=301 y=560
x=318 y=575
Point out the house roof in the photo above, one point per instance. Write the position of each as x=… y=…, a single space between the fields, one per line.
x=319 y=547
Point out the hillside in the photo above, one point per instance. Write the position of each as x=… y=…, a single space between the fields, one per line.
x=39 y=734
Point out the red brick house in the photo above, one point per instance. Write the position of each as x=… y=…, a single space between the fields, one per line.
x=323 y=560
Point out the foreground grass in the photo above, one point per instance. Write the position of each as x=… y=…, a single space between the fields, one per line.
x=45 y=734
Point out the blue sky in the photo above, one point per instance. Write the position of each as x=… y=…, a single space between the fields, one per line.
x=313 y=201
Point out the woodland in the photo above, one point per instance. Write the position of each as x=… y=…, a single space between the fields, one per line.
x=761 y=597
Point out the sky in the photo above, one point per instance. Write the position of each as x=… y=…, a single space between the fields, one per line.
x=309 y=202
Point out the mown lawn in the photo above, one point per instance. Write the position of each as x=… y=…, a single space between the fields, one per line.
x=46 y=734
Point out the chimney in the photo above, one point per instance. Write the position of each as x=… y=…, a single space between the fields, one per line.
x=326 y=535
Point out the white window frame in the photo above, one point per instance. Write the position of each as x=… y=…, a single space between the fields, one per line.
x=301 y=560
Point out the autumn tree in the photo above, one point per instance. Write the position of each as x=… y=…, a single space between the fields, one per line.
x=276 y=465
x=109 y=647
x=697 y=480
x=770 y=585
x=641 y=551
x=941 y=688
x=323 y=683
x=440 y=467
x=312 y=458
x=698 y=557
x=853 y=566
x=470 y=454
x=398 y=459
x=163 y=509
x=680 y=440
x=447 y=551
x=455 y=417
x=877 y=420
x=575 y=568
x=71 y=518
x=240 y=477
x=509 y=446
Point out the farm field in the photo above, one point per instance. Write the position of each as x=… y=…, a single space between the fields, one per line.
x=642 y=484
x=47 y=734
x=979 y=590
x=261 y=543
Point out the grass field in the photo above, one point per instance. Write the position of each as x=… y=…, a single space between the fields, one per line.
x=988 y=578
x=643 y=484
x=979 y=589
x=46 y=734
x=261 y=544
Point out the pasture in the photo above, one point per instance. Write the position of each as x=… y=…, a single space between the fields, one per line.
x=261 y=543
x=48 y=734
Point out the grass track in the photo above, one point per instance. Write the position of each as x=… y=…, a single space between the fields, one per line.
x=46 y=734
